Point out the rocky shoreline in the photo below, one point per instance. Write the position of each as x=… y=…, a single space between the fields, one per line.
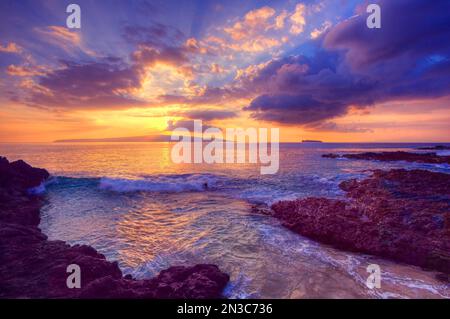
x=398 y=214
x=431 y=158
x=31 y=266
x=435 y=148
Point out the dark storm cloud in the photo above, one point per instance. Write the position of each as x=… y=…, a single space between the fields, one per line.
x=408 y=58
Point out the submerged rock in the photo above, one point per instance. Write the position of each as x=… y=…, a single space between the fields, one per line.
x=431 y=158
x=33 y=267
x=399 y=214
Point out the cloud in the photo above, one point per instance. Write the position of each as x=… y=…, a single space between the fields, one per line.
x=167 y=59
x=60 y=37
x=293 y=109
x=68 y=40
x=257 y=31
x=87 y=85
x=59 y=33
x=187 y=124
x=280 y=20
x=298 y=21
x=216 y=68
x=107 y=82
x=345 y=66
x=18 y=70
x=150 y=56
x=253 y=22
x=410 y=31
x=11 y=47
x=354 y=66
x=155 y=35
x=160 y=43
x=263 y=29
x=318 y=31
x=208 y=95
x=207 y=115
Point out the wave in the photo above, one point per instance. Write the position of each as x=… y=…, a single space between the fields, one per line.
x=42 y=187
x=443 y=153
x=161 y=183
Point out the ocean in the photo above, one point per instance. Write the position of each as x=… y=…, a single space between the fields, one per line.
x=132 y=204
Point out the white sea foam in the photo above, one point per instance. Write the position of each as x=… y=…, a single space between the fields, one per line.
x=161 y=183
x=42 y=187
x=443 y=153
x=238 y=287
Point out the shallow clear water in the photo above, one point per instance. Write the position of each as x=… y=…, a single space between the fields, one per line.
x=132 y=204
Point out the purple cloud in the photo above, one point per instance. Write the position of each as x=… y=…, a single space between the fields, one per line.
x=93 y=84
x=108 y=82
x=155 y=35
x=208 y=115
x=408 y=58
x=293 y=109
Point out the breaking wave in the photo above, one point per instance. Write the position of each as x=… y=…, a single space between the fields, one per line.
x=161 y=183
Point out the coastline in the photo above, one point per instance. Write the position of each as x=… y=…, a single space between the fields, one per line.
x=402 y=215
x=124 y=287
x=429 y=158
x=31 y=266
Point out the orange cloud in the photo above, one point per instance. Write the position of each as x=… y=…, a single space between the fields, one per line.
x=216 y=68
x=257 y=44
x=11 y=47
x=298 y=19
x=261 y=30
x=280 y=20
x=253 y=32
x=318 y=31
x=63 y=38
x=60 y=34
x=253 y=22
x=17 y=70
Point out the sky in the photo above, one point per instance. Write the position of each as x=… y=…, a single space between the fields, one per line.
x=138 y=68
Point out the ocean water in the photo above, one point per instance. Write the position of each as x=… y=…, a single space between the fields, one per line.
x=131 y=203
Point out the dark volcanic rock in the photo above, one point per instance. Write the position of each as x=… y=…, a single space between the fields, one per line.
x=33 y=267
x=431 y=158
x=435 y=148
x=20 y=175
x=200 y=281
x=398 y=214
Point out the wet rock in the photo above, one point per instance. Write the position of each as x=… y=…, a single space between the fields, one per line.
x=33 y=267
x=200 y=281
x=431 y=158
x=435 y=148
x=399 y=214
x=19 y=175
